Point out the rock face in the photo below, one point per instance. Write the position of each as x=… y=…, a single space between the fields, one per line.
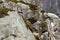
x=12 y=27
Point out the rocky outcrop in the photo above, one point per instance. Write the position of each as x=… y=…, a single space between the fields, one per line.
x=12 y=27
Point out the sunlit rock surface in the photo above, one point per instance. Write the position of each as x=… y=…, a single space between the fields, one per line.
x=12 y=27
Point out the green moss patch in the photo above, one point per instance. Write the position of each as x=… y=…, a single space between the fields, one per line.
x=3 y=12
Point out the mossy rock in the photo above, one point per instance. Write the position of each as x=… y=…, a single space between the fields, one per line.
x=32 y=6
x=3 y=12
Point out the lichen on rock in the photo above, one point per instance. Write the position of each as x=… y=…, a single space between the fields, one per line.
x=12 y=27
